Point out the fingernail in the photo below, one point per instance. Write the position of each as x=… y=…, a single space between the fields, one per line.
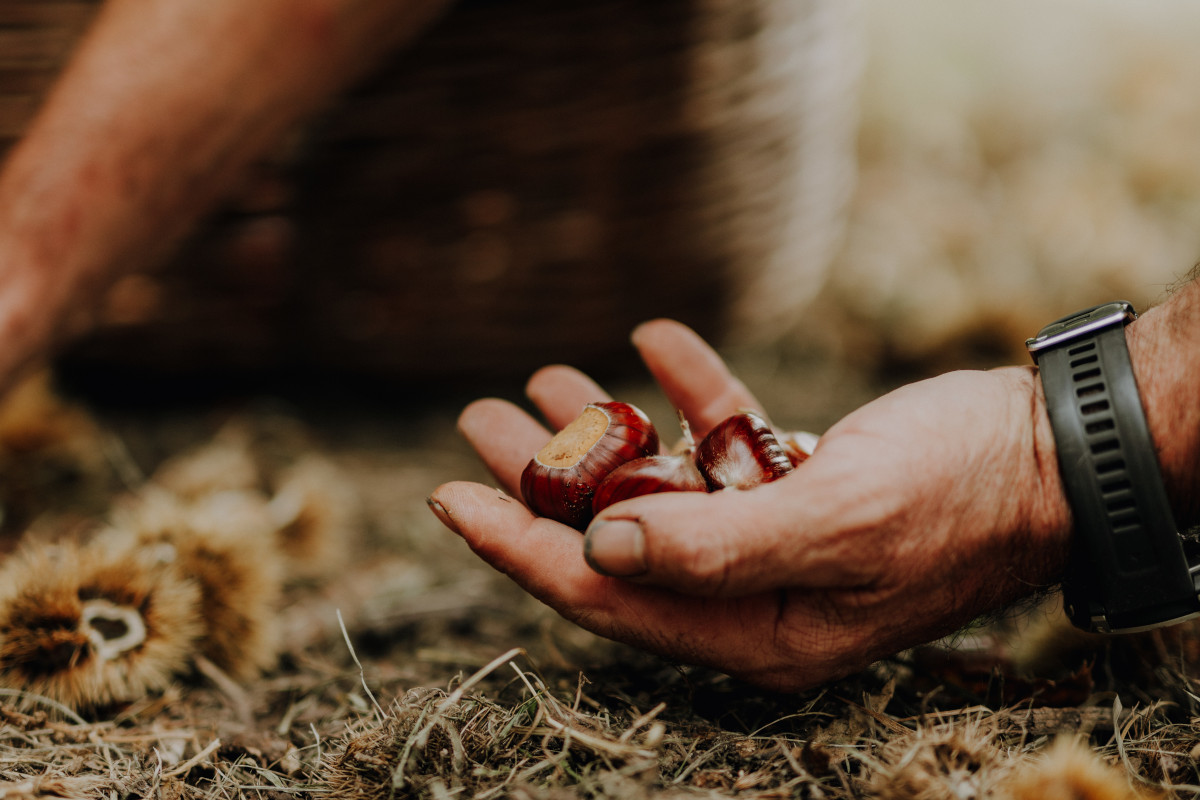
x=616 y=548
x=443 y=514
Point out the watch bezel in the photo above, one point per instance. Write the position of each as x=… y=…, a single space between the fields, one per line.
x=1082 y=323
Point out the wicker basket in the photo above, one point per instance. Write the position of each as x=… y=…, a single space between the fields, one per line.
x=523 y=185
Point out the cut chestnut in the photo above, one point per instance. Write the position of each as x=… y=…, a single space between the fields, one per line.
x=741 y=453
x=561 y=480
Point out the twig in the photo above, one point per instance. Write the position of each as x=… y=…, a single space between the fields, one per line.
x=362 y=673
x=479 y=675
x=194 y=760
x=398 y=779
x=46 y=701
x=316 y=736
x=1119 y=736
x=642 y=720
x=597 y=743
x=887 y=722
x=228 y=686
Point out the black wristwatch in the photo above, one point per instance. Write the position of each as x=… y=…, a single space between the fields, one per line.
x=1127 y=570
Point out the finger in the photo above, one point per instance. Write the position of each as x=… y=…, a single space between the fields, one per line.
x=797 y=532
x=504 y=436
x=545 y=558
x=692 y=375
x=561 y=392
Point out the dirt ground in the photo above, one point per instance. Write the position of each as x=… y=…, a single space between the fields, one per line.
x=406 y=667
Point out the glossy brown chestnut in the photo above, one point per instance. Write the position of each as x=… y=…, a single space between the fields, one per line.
x=649 y=475
x=741 y=453
x=561 y=480
x=798 y=445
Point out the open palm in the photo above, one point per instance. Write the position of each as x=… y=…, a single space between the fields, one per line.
x=919 y=511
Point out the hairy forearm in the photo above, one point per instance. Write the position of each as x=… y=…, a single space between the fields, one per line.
x=1164 y=344
x=161 y=108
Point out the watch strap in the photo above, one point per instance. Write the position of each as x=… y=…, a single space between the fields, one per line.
x=1127 y=568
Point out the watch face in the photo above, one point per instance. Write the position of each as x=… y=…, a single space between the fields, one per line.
x=1082 y=323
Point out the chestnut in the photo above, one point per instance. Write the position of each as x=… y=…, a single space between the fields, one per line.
x=741 y=452
x=561 y=480
x=649 y=475
x=676 y=472
x=798 y=445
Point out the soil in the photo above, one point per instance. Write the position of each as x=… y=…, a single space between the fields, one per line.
x=407 y=667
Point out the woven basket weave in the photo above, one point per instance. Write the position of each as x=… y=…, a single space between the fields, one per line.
x=522 y=185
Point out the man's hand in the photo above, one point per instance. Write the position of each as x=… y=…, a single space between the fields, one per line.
x=934 y=504
x=157 y=115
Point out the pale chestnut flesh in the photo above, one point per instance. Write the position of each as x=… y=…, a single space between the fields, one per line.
x=561 y=480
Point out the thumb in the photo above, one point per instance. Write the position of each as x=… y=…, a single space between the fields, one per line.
x=728 y=543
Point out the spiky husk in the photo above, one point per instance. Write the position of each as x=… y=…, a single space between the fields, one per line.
x=224 y=544
x=49 y=648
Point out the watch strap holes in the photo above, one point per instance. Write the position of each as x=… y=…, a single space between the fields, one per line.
x=1112 y=465
x=1083 y=362
x=1125 y=517
x=1112 y=487
x=1121 y=504
x=1087 y=374
x=1089 y=390
x=1106 y=446
x=1094 y=408
x=1081 y=348
x=1100 y=426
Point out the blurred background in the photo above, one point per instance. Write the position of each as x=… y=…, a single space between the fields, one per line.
x=901 y=188
x=1015 y=161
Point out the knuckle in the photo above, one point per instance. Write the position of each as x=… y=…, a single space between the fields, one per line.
x=837 y=637
x=704 y=564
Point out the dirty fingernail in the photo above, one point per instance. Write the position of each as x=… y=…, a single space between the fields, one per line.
x=616 y=548
x=443 y=514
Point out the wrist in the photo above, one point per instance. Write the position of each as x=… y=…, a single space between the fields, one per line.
x=1046 y=507
x=1164 y=346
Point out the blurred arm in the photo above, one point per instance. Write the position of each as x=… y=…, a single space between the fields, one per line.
x=161 y=108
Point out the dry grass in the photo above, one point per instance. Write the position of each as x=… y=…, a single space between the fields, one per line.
x=504 y=732
x=413 y=671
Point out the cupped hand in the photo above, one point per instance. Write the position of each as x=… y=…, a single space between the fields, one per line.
x=918 y=512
